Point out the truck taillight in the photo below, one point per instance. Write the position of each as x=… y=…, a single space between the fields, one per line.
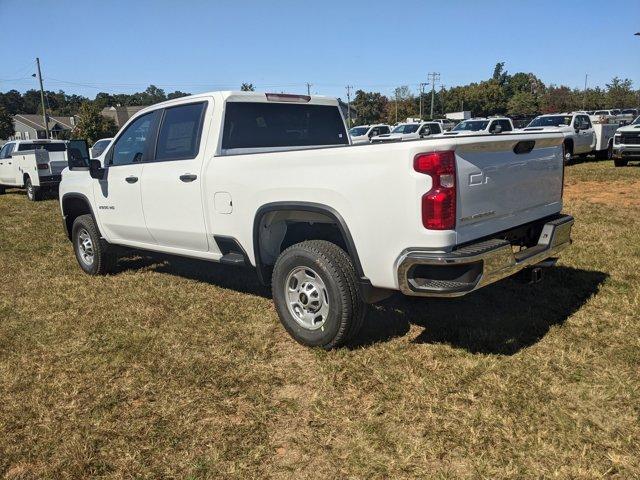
x=43 y=166
x=439 y=203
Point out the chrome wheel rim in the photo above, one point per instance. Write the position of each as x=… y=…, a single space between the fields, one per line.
x=29 y=190
x=85 y=247
x=307 y=298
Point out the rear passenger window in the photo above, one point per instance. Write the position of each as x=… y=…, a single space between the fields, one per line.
x=272 y=125
x=506 y=126
x=384 y=130
x=179 y=137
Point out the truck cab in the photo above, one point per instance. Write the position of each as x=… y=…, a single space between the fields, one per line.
x=626 y=144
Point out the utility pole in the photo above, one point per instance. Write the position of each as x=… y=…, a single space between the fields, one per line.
x=434 y=76
x=309 y=85
x=396 y=106
x=584 y=95
x=422 y=85
x=45 y=119
x=349 y=87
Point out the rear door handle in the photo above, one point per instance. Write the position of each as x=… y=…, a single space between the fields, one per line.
x=188 y=177
x=131 y=179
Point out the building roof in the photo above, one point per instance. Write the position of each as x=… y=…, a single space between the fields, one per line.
x=119 y=114
x=35 y=121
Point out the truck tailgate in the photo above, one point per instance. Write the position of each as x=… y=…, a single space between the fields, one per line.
x=504 y=183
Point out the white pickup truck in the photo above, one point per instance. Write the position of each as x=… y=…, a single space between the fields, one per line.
x=481 y=126
x=271 y=181
x=409 y=131
x=582 y=136
x=35 y=165
x=626 y=144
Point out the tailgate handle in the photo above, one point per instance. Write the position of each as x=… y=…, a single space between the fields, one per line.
x=525 y=146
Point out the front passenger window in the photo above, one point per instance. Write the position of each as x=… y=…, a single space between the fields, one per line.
x=132 y=145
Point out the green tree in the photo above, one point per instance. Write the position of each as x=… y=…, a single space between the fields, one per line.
x=620 y=93
x=247 y=87
x=177 y=94
x=500 y=75
x=558 y=99
x=404 y=100
x=6 y=124
x=12 y=101
x=371 y=106
x=91 y=125
x=523 y=103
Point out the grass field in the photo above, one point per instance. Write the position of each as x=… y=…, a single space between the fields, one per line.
x=177 y=368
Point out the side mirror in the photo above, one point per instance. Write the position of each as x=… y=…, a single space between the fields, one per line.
x=95 y=169
x=497 y=129
x=77 y=154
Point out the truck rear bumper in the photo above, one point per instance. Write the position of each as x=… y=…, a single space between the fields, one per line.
x=453 y=274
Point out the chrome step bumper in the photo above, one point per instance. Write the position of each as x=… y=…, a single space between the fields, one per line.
x=456 y=273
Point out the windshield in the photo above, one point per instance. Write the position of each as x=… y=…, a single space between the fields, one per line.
x=471 y=126
x=636 y=121
x=551 y=121
x=49 y=147
x=406 y=128
x=358 y=131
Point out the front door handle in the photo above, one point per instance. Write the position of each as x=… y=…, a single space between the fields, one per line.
x=131 y=179
x=188 y=177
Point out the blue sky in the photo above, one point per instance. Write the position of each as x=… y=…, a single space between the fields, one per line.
x=122 y=46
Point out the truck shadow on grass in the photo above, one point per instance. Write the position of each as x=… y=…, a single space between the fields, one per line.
x=500 y=319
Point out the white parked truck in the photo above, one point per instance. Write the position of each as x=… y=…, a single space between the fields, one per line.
x=409 y=131
x=482 y=126
x=271 y=181
x=364 y=133
x=35 y=165
x=626 y=144
x=581 y=136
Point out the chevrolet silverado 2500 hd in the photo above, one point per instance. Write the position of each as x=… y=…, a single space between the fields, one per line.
x=271 y=181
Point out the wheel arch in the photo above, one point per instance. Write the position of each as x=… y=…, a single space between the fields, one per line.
x=73 y=205
x=314 y=208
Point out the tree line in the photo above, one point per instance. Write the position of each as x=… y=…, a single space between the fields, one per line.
x=520 y=94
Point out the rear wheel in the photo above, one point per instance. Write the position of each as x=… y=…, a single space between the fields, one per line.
x=33 y=193
x=605 y=154
x=94 y=254
x=618 y=162
x=316 y=294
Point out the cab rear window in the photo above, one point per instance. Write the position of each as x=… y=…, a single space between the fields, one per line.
x=272 y=125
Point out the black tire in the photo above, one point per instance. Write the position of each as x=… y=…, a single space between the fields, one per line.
x=33 y=193
x=568 y=153
x=618 y=162
x=103 y=256
x=2 y=190
x=606 y=154
x=338 y=288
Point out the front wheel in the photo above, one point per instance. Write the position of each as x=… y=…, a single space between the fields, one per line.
x=316 y=294
x=33 y=193
x=93 y=253
x=606 y=154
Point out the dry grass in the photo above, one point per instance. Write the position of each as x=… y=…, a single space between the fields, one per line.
x=175 y=368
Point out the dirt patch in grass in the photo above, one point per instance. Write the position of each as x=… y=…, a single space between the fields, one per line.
x=616 y=194
x=175 y=368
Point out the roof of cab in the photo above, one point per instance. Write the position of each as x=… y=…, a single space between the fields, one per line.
x=239 y=96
